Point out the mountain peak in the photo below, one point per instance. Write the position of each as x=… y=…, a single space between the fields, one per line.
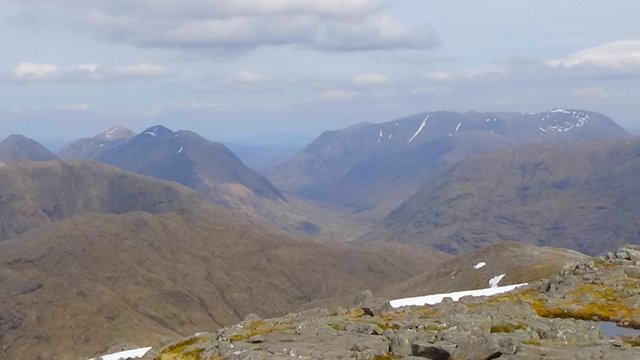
x=116 y=133
x=157 y=131
x=18 y=147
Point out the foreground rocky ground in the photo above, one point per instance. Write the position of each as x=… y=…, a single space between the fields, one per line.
x=558 y=318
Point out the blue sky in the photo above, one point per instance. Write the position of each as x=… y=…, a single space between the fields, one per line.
x=232 y=69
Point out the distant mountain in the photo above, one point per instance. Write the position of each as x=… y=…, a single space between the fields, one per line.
x=91 y=148
x=378 y=165
x=213 y=170
x=582 y=196
x=20 y=148
x=191 y=160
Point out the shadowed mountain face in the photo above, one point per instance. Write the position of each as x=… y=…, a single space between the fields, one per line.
x=191 y=160
x=20 y=148
x=91 y=148
x=379 y=165
x=582 y=196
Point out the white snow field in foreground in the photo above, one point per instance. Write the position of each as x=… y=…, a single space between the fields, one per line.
x=135 y=353
x=455 y=296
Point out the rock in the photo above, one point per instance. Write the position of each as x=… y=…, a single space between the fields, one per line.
x=256 y=339
x=429 y=351
x=399 y=344
x=359 y=347
x=30 y=288
x=249 y=318
x=364 y=328
x=362 y=299
x=632 y=271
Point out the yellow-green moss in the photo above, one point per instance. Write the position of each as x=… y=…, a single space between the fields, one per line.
x=259 y=327
x=508 y=327
x=384 y=357
x=179 y=351
x=338 y=326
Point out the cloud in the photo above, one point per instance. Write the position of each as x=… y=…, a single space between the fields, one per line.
x=591 y=93
x=440 y=76
x=32 y=71
x=620 y=57
x=330 y=25
x=29 y=72
x=74 y=107
x=370 y=79
x=246 y=78
x=142 y=70
x=339 y=95
x=616 y=54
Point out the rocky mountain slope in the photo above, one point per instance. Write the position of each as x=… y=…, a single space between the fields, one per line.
x=571 y=315
x=378 y=165
x=107 y=257
x=519 y=262
x=581 y=196
x=20 y=148
x=91 y=148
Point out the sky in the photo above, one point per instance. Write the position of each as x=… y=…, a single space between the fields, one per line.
x=234 y=70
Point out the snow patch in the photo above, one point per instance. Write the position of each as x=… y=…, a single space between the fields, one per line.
x=494 y=281
x=479 y=265
x=180 y=151
x=135 y=353
x=380 y=135
x=455 y=296
x=563 y=111
x=424 y=123
x=153 y=133
x=458 y=127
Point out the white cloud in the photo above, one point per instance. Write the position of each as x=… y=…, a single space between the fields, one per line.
x=370 y=79
x=440 y=76
x=33 y=71
x=339 y=94
x=332 y=25
x=591 y=93
x=142 y=70
x=74 y=107
x=246 y=78
x=619 y=56
x=28 y=72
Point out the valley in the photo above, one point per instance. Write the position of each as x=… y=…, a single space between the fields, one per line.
x=140 y=239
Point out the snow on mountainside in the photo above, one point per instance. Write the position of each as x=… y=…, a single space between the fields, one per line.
x=369 y=165
x=91 y=148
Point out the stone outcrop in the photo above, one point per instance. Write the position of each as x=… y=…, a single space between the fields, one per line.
x=557 y=318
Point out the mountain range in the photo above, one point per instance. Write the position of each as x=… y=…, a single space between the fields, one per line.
x=374 y=167
x=579 y=195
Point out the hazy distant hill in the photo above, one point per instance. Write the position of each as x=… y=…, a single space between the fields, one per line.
x=379 y=165
x=21 y=148
x=191 y=160
x=582 y=196
x=213 y=170
x=91 y=148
